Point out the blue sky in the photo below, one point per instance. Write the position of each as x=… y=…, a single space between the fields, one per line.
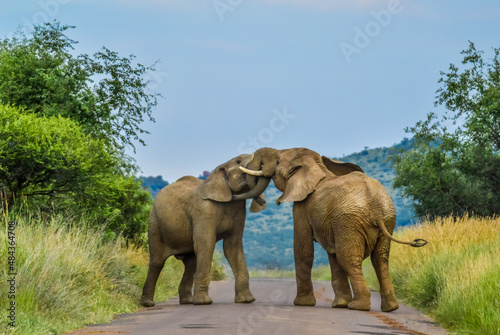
x=333 y=76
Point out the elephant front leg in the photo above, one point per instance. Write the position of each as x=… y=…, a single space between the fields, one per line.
x=204 y=245
x=304 y=256
x=340 y=284
x=233 y=250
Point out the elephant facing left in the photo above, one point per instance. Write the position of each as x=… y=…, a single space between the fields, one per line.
x=188 y=217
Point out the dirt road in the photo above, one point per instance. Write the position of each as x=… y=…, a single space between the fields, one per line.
x=273 y=312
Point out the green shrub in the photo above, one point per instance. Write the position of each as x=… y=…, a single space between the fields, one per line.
x=68 y=276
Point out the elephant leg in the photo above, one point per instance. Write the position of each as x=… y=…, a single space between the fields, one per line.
x=340 y=284
x=233 y=250
x=380 y=261
x=157 y=260
x=186 y=285
x=204 y=245
x=350 y=255
x=303 y=248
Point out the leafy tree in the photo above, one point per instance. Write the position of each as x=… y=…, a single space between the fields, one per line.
x=103 y=93
x=50 y=164
x=65 y=121
x=457 y=171
x=47 y=156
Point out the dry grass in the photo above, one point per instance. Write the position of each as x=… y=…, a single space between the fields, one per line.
x=456 y=277
x=68 y=276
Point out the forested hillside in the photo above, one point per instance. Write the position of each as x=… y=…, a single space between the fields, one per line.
x=268 y=237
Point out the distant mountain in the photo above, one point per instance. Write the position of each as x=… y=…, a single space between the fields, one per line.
x=153 y=184
x=268 y=236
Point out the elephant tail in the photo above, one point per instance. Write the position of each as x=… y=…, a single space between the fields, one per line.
x=417 y=243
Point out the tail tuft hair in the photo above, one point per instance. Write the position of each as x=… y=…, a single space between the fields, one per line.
x=418 y=243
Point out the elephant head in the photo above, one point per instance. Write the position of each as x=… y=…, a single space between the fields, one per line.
x=227 y=181
x=296 y=172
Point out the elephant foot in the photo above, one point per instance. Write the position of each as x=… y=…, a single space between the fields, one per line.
x=147 y=302
x=202 y=299
x=389 y=305
x=186 y=300
x=244 y=298
x=360 y=304
x=341 y=302
x=305 y=300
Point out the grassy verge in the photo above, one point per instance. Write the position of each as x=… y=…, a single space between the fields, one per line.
x=455 y=278
x=68 y=276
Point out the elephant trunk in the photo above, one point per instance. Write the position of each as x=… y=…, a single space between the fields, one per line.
x=254 y=192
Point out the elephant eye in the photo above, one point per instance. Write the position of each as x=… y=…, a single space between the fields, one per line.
x=238 y=161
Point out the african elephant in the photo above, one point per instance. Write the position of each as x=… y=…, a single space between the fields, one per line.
x=348 y=213
x=188 y=217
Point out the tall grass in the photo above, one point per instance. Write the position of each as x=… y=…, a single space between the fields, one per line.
x=456 y=277
x=68 y=276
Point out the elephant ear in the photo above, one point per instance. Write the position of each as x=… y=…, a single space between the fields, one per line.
x=255 y=207
x=303 y=180
x=340 y=168
x=215 y=187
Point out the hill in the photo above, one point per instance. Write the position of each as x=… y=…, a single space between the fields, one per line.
x=153 y=184
x=268 y=236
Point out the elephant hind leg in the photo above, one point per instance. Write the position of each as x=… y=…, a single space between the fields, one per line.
x=350 y=257
x=157 y=260
x=186 y=285
x=380 y=262
x=340 y=284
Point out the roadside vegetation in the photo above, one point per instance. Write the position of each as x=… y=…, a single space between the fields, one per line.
x=455 y=278
x=70 y=274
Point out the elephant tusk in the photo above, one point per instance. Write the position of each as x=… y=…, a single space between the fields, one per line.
x=252 y=172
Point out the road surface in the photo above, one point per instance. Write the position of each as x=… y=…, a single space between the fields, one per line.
x=273 y=312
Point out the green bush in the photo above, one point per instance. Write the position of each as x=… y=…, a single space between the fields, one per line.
x=48 y=165
x=68 y=275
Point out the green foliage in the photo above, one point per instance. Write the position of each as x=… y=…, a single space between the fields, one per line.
x=103 y=93
x=47 y=156
x=69 y=275
x=47 y=164
x=65 y=121
x=455 y=172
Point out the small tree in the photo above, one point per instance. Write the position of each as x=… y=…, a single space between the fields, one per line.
x=47 y=156
x=69 y=121
x=54 y=166
x=454 y=172
x=105 y=94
